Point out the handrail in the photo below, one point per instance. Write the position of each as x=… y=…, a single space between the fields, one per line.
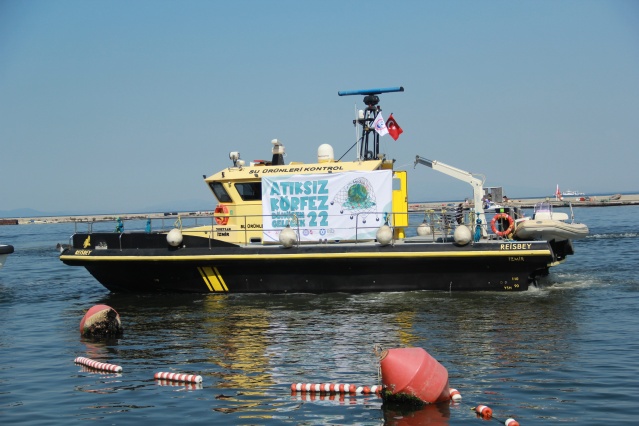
x=442 y=223
x=572 y=214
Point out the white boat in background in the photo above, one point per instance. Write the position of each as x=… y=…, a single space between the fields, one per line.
x=5 y=250
x=570 y=193
x=492 y=207
x=548 y=225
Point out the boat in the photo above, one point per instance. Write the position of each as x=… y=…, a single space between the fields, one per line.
x=5 y=251
x=546 y=224
x=328 y=226
x=492 y=207
x=570 y=193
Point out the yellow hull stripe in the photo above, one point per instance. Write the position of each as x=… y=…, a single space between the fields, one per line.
x=213 y=279
x=351 y=255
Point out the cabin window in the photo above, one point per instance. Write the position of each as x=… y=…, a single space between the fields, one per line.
x=397 y=184
x=249 y=191
x=220 y=193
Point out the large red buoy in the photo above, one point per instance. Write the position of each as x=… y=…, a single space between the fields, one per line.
x=413 y=372
x=101 y=321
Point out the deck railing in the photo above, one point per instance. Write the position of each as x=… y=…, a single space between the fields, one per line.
x=441 y=225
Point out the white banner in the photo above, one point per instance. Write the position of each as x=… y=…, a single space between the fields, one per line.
x=332 y=206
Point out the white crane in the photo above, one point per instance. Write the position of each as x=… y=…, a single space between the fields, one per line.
x=475 y=182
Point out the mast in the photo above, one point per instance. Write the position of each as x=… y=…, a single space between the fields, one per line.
x=369 y=141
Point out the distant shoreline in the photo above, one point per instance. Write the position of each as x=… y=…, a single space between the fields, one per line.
x=588 y=201
x=599 y=201
x=36 y=220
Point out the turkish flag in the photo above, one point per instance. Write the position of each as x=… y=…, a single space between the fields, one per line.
x=393 y=128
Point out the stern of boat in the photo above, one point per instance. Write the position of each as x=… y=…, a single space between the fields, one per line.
x=561 y=249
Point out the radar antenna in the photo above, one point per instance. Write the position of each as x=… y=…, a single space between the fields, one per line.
x=366 y=118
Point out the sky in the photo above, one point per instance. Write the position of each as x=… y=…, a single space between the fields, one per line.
x=122 y=106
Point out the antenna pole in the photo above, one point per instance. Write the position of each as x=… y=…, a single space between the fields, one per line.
x=370 y=113
x=356 y=131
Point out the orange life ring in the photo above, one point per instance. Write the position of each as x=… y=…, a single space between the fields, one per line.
x=511 y=224
x=221 y=209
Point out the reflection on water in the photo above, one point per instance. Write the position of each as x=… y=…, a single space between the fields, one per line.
x=250 y=348
x=239 y=338
x=402 y=415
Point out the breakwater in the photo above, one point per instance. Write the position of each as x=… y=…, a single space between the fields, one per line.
x=600 y=201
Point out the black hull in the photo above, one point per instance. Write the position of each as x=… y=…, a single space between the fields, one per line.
x=352 y=268
x=6 y=249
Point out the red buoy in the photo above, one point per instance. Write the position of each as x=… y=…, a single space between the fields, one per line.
x=455 y=395
x=511 y=422
x=484 y=411
x=413 y=372
x=101 y=321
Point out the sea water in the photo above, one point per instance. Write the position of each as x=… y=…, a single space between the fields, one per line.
x=563 y=353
